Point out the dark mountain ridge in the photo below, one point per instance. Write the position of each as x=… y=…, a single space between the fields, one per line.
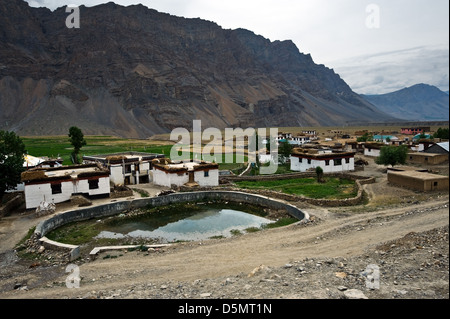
x=134 y=72
x=420 y=102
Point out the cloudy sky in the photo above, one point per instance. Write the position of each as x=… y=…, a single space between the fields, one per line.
x=376 y=46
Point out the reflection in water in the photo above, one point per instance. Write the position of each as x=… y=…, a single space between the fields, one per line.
x=199 y=226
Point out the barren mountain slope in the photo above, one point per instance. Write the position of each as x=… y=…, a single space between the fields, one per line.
x=133 y=71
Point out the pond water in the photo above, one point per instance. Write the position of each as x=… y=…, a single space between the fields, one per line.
x=199 y=225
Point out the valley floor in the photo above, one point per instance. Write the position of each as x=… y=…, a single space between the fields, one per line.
x=403 y=234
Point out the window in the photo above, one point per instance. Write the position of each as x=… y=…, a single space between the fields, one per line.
x=206 y=173
x=93 y=184
x=435 y=184
x=338 y=162
x=347 y=161
x=327 y=162
x=56 y=188
x=309 y=161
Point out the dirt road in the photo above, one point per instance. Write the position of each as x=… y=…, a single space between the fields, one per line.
x=331 y=236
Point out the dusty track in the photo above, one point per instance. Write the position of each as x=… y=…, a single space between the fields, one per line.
x=337 y=236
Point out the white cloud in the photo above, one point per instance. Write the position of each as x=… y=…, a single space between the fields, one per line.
x=390 y=71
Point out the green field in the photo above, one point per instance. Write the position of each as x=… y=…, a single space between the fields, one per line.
x=333 y=188
x=59 y=146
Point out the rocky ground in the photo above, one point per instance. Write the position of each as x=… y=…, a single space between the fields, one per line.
x=396 y=246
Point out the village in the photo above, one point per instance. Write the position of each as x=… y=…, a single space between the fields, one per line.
x=50 y=188
x=46 y=181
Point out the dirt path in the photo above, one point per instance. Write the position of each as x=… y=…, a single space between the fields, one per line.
x=343 y=237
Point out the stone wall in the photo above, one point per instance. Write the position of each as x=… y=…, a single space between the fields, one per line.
x=115 y=208
x=360 y=180
x=12 y=204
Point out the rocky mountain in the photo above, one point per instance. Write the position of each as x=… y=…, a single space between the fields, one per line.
x=421 y=102
x=134 y=72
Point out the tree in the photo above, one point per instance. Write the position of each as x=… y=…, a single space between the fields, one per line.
x=12 y=151
x=77 y=140
x=319 y=173
x=284 y=151
x=365 y=138
x=442 y=133
x=392 y=155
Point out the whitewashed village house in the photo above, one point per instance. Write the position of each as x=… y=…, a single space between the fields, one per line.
x=30 y=162
x=129 y=168
x=59 y=184
x=166 y=173
x=373 y=149
x=305 y=159
x=299 y=140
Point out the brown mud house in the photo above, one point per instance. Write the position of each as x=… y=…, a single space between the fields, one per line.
x=418 y=180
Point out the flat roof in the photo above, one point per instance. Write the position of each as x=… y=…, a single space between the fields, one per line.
x=125 y=154
x=427 y=154
x=419 y=175
x=63 y=172
x=75 y=171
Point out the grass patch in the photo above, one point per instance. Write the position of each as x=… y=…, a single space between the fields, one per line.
x=252 y=229
x=333 y=188
x=142 y=192
x=76 y=233
x=286 y=221
x=25 y=238
x=235 y=232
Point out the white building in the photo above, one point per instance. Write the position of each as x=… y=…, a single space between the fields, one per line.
x=303 y=160
x=299 y=140
x=166 y=173
x=373 y=149
x=57 y=185
x=129 y=168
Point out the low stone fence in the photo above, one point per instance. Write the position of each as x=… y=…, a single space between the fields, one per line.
x=359 y=180
x=12 y=204
x=111 y=209
x=232 y=179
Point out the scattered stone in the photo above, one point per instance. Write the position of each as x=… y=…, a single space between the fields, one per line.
x=205 y=295
x=342 y=288
x=354 y=294
x=341 y=275
x=256 y=270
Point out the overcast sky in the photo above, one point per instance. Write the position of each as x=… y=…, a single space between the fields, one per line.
x=376 y=46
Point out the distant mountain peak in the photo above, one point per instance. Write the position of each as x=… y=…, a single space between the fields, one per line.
x=418 y=102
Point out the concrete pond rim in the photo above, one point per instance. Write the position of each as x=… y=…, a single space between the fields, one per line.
x=116 y=208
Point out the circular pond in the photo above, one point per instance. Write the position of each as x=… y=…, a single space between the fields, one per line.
x=191 y=224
